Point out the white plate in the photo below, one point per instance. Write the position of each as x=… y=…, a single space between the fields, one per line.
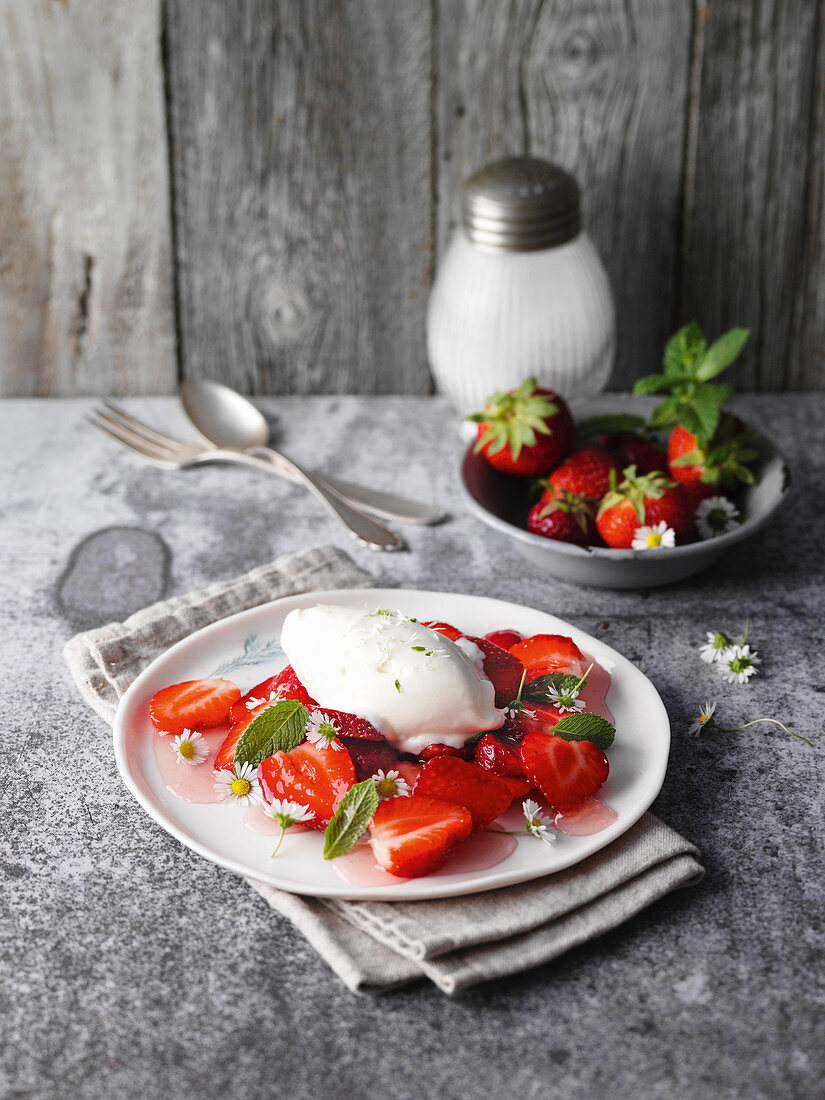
x=246 y=649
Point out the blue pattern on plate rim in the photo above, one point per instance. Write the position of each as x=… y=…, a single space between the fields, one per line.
x=256 y=651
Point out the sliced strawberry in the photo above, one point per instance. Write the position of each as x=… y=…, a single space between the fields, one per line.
x=518 y=788
x=505 y=638
x=310 y=775
x=350 y=725
x=194 y=705
x=448 y=631
x=495 y=756
x=226 y=753
x=413 y=836
x=566 y=772
x=468 y=785
x=284 y=684
x=544 y=653
x=538 y=716
x=430 y=752
x=368 y=756
x=502 y=669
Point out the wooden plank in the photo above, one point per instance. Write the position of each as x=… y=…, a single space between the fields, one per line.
x=86 y=302
x=598 y=86
x=301 y=151
x=748 y=175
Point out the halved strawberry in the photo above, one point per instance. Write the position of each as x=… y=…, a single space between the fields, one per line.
x=226 y=753
x=495 y=756
x=544 y=653
x=468 y=785
x=505 y=638
x=368 y=756
x=566 y=772
x=502 y=669
x=448 y=631
x=538 y=716
x=436 y=748
x=193 y=704
x=413 y=836
x=310 y=775
x=285 y=684
x=350 y=725
x=518 y=788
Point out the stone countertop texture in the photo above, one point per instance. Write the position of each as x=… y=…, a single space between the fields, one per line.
x=133 y=968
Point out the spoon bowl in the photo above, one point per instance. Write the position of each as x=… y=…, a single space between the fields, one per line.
x=223 y=416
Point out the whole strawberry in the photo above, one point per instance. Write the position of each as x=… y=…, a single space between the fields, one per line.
x=570 y=517
x=642 y=500
x=716 y=466
x=527 y=431
x=585 y=472
x=631 y=449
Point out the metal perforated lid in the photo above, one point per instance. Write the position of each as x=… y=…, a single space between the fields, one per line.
x=521 y=204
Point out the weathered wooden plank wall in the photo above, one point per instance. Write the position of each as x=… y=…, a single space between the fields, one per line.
x=317 y=149
x=86 y=299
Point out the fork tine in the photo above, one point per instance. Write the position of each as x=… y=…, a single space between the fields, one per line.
x=133 y=441
x=142 y=429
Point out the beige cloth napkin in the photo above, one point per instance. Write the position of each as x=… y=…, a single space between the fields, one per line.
x=376 y=946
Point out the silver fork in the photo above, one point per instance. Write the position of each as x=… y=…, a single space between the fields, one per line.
x=172 y=454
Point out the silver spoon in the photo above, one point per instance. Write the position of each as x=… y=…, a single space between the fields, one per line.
x=227 y=419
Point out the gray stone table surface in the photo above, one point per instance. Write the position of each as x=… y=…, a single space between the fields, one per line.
x=133 y=968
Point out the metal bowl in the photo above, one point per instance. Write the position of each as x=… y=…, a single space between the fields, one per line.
x=502 y=503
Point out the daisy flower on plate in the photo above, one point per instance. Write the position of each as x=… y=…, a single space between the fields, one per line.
x=536 y=823
x=190 y=747
x=274 y=697
x=239 y=785
x=716 y=516
x=321 y=730
x=287 y=814
x=654 y=537
x=704 y=721
x=390 y=784
x=738 y=664
x=568 y=702
x=715 y=647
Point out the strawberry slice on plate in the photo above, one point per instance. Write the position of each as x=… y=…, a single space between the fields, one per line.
x=544 y=653
x=502 y=669
x=492 y=754
x=448 y=631
x=566 y=772
x=452 y=780
x=193 y=704
x=413 y=836
x=505 y=638
x=284 y=684
x=310 y=775
x=350 y=725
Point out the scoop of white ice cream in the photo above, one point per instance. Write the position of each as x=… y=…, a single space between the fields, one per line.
x=413 y=684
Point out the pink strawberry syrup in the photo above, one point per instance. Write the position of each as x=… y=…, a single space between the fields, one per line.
x=594 y=693
x=591 y=817
x=191 y=782
x=479 y=853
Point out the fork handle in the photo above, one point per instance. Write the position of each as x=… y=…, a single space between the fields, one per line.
x=363 y=527
x=386 y=505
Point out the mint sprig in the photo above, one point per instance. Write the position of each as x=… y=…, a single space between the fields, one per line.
x=355 y=811
x=586 y=726
x=279 y=728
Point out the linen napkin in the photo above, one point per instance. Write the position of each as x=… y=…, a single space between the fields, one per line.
x=377 y=946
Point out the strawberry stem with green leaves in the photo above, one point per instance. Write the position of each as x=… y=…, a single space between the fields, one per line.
x=689 y=366
x=514 y=418
x=635 y=488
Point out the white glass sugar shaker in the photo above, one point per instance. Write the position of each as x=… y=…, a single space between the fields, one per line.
x=520 y=290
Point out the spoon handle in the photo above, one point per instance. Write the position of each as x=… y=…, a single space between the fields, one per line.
x=387 y=505
x=363 y=527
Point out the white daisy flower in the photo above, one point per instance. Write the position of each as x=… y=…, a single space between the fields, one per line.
x=705 y=718
x=715 y=516
x=517 y=712
x=239 y=785
x=288 y=813
x=568 y=702
x=654 y=538
x=738 y=664
x=190 y=748
x=715 y=646
x=390 y=784
x=536 y=823
x=321 y=730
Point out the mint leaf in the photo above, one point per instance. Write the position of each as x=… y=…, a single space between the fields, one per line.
x=586 y=727
x=722 y=353
x=355 y=811
x=277 y=729
x=683 y=350
x=608 y=424
x=666 y=415
x=706 y=410
x=537 y=690
x=651 y=383
x=473 y=740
